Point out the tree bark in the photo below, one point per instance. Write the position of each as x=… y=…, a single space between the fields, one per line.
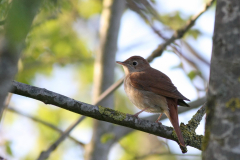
x=112 y=116
x=17 y=26
x=104 y=75
x=222 y=138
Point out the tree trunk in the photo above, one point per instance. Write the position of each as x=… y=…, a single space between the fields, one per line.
x=17 y=26
x=104 y=75
x=222 y=130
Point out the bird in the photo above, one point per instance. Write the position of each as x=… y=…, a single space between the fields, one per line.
x=152 y=91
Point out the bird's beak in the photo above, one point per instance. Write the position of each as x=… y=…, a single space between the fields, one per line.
x=122 y=63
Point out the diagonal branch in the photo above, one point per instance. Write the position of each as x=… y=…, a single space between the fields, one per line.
x=179 y=33
x=99 y=112
x=196 y=119
x=195 y=53
x=10 y=109
x=165 y=154
x=45 y=154
x=189 y=129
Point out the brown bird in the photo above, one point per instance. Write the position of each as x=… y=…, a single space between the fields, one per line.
x=152 y=91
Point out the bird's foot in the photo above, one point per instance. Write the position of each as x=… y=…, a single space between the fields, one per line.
x=136 y=115
x=158 y=122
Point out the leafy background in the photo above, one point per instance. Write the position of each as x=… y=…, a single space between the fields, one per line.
x=59 y=56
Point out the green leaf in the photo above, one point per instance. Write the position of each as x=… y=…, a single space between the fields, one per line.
x=180 y=65
x=84 y=8
x=173 y=20
x=192 y=74
x=8 y=148
x=193 y=33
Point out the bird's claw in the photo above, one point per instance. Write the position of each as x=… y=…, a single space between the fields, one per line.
x=159 y=122
x=136 y=116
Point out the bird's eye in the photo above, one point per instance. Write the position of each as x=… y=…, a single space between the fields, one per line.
x=135 y=63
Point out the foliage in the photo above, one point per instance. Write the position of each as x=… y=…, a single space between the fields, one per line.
x=50 y=42
x=4 y=6
x=53 y=40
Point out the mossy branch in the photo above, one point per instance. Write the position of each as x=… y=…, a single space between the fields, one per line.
x=103 y=114
x=188 y=130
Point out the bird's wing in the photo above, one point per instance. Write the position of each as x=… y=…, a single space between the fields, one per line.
x=155 y=81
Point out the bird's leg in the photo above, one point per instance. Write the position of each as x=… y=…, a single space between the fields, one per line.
x=136 y=115
x=159 y=118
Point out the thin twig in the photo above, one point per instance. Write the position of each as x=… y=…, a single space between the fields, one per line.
x=196 y=119
x=179 y=33
x=109 y=91
x=195 y=53
x=165 y=154
x=6 y=104
x=45 y=154
x=177 y=51
x=44 y=123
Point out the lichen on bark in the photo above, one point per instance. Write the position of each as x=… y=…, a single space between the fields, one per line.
x=233 y=104
x=116 y=115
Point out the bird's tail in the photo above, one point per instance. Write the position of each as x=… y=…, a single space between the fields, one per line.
x=172 y=114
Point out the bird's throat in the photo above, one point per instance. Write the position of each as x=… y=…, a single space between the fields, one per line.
x=126 y=70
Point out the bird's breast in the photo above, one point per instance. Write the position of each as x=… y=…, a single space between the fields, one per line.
x=143 y=99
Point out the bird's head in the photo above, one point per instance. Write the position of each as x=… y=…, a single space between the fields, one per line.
x=134 y=64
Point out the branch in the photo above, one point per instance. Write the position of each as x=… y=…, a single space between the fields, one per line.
x=99 y=112
x=18 y=23
x=45 y=154
x=179 y=33
x=188 y=130
x=44 y=123
x=7 y=101
x=196 y=119
x=195 y=53
x=165 y=154
x=123 y=131
x=109 y=91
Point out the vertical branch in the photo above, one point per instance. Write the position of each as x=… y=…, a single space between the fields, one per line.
x=104 y=74
x=17 y=26
x=7 y=101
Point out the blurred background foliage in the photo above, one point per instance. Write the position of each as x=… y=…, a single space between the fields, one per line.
x=64 y=34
